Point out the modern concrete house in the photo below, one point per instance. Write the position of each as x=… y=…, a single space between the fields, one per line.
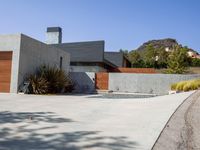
x=87 y=56
x=20 y=55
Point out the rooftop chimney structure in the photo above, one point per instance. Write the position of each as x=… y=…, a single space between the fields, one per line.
x=54 y=35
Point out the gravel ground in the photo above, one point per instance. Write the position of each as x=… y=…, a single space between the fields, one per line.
x=182 y=132
x=30 y=122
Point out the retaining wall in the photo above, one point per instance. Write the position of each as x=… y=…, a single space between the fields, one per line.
x=145 y=83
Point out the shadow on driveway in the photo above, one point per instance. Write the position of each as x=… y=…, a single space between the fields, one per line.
x=17 y=133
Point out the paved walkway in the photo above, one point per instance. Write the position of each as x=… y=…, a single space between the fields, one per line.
x=83 y=123
x=182 y=132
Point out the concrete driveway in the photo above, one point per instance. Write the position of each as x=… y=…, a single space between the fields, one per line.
x=182 y=132
x=81 y=123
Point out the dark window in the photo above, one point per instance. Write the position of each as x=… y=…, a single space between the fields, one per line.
x=84 y=64
x=61 y=59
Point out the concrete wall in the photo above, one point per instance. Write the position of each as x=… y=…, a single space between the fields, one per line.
x=12 y=43
x=28 y=54
x=53 y=37
x=86 y=69
x=145 y=83
x=84 y=81
x=34 y=54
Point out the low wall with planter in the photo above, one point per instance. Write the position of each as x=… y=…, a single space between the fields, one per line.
x=145 y=83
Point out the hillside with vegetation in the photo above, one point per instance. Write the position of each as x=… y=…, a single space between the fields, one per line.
x=157 y=44
x=164 y=53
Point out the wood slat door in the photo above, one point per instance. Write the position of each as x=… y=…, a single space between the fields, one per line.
x=101 y=80
x=5 y=71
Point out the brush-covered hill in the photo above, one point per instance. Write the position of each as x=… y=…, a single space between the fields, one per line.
x=167 y=43
x=158 y=44
x=154 y=53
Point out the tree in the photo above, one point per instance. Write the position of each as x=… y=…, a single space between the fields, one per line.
x=195 y=62
x=151 y=56
x=136 y=59
x=124 y=51
x=178 y=60
x=162 y=58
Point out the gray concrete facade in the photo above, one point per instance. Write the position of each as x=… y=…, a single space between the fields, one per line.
x=116 y=58
x=84 y=81
x=92 y=51
x=145 y=83
x=28 y=54
x=85 y=56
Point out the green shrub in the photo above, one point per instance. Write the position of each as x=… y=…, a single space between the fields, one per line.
x=180 y=85
x=195 y=62
x=49 y=80
x=191 y=85
x=186 y=85
x=173 y=86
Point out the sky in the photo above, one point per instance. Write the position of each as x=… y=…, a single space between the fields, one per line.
x=123 y=24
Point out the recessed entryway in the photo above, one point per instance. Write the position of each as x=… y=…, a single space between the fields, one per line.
x=5 y=71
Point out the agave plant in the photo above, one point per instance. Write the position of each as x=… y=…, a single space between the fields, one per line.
x=70 y=85
x=56 y=78
x=53 y=79
x=37 y=85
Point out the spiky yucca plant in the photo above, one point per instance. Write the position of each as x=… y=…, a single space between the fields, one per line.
x=37 y=85
x=56 y=78
x=50 y=80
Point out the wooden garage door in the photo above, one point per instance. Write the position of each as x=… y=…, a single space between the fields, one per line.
x=5 y=71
